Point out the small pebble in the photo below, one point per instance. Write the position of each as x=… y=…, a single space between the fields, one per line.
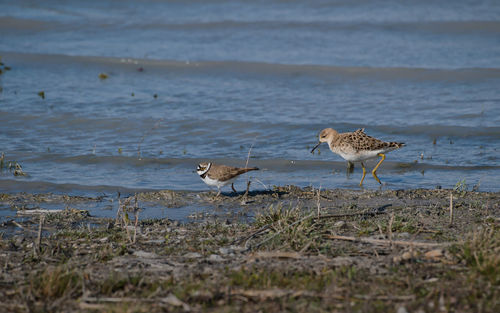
x=215 y=258
x=225 y=251
x=340 y=224
x=402 y=309
x=404 y=235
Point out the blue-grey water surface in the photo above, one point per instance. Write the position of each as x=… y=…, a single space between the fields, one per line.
x=208 y=80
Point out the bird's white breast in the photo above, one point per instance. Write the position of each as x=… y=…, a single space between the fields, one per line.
x=213 y=182
x=359 y=155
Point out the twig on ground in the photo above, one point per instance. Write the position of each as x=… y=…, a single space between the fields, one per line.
x=268 y=294
x=253 y=234
x=37 y=211
x=126 y=220
x=262 y=294
x=369 y=213
x=275 y=255
x=307 y=245
x=39 y=238
x=389 y=228
x=116 y=300
x=451 y=209
x=247 y=239
x=389 y=242
x=136 y=213
x=267 y=187
x=250 y=150
x=245 y=195
x=17 y=224
x=383 y=297
x=91 y=306
x=119 y=209
x=318 y=204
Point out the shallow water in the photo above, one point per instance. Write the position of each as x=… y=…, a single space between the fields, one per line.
x=233 y=75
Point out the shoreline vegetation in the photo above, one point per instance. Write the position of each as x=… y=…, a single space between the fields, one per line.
x=291 y=249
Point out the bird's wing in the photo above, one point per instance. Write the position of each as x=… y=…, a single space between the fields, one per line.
x=227 y=172
x=359 y=141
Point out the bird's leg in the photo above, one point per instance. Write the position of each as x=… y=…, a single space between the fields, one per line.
x=364 y=173
x=350 y=167
x=218 y=193
x=232 y=186
x=374 y=172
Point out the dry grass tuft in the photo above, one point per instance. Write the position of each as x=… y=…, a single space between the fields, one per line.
x=56 y=283
x=481 y=252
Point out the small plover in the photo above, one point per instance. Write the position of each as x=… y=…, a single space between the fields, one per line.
x=220 y=175
x=357 y=147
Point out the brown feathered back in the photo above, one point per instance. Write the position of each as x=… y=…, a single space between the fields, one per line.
x=361 y=141
x=224 y=172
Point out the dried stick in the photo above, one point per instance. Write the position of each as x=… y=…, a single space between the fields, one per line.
x=115 y=300
x=126 y=227
x=37 y=211
x=245 y=195
x=264 y=185
x=451 y=208
x=39 y=238
x=136 y=214
x=136 y=222
x=258 y=232
x=119 y=208
x=383 y=297
x=253 y=234
x=17 y=224
x=390 y=227
x=250 y=150
x=389 y=242
x=318 y=204
x=350 y=214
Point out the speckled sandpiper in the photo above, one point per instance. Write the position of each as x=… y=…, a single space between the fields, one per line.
x=357 y=147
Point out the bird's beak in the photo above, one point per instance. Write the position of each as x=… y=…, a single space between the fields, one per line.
x=315 y=147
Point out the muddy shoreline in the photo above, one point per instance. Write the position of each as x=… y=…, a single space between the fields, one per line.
x=285 y=249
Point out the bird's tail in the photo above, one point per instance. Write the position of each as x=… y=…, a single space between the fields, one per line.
x=397 y=145
x=248 y=169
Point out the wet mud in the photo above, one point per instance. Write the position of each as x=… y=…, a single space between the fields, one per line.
x=286 y=249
